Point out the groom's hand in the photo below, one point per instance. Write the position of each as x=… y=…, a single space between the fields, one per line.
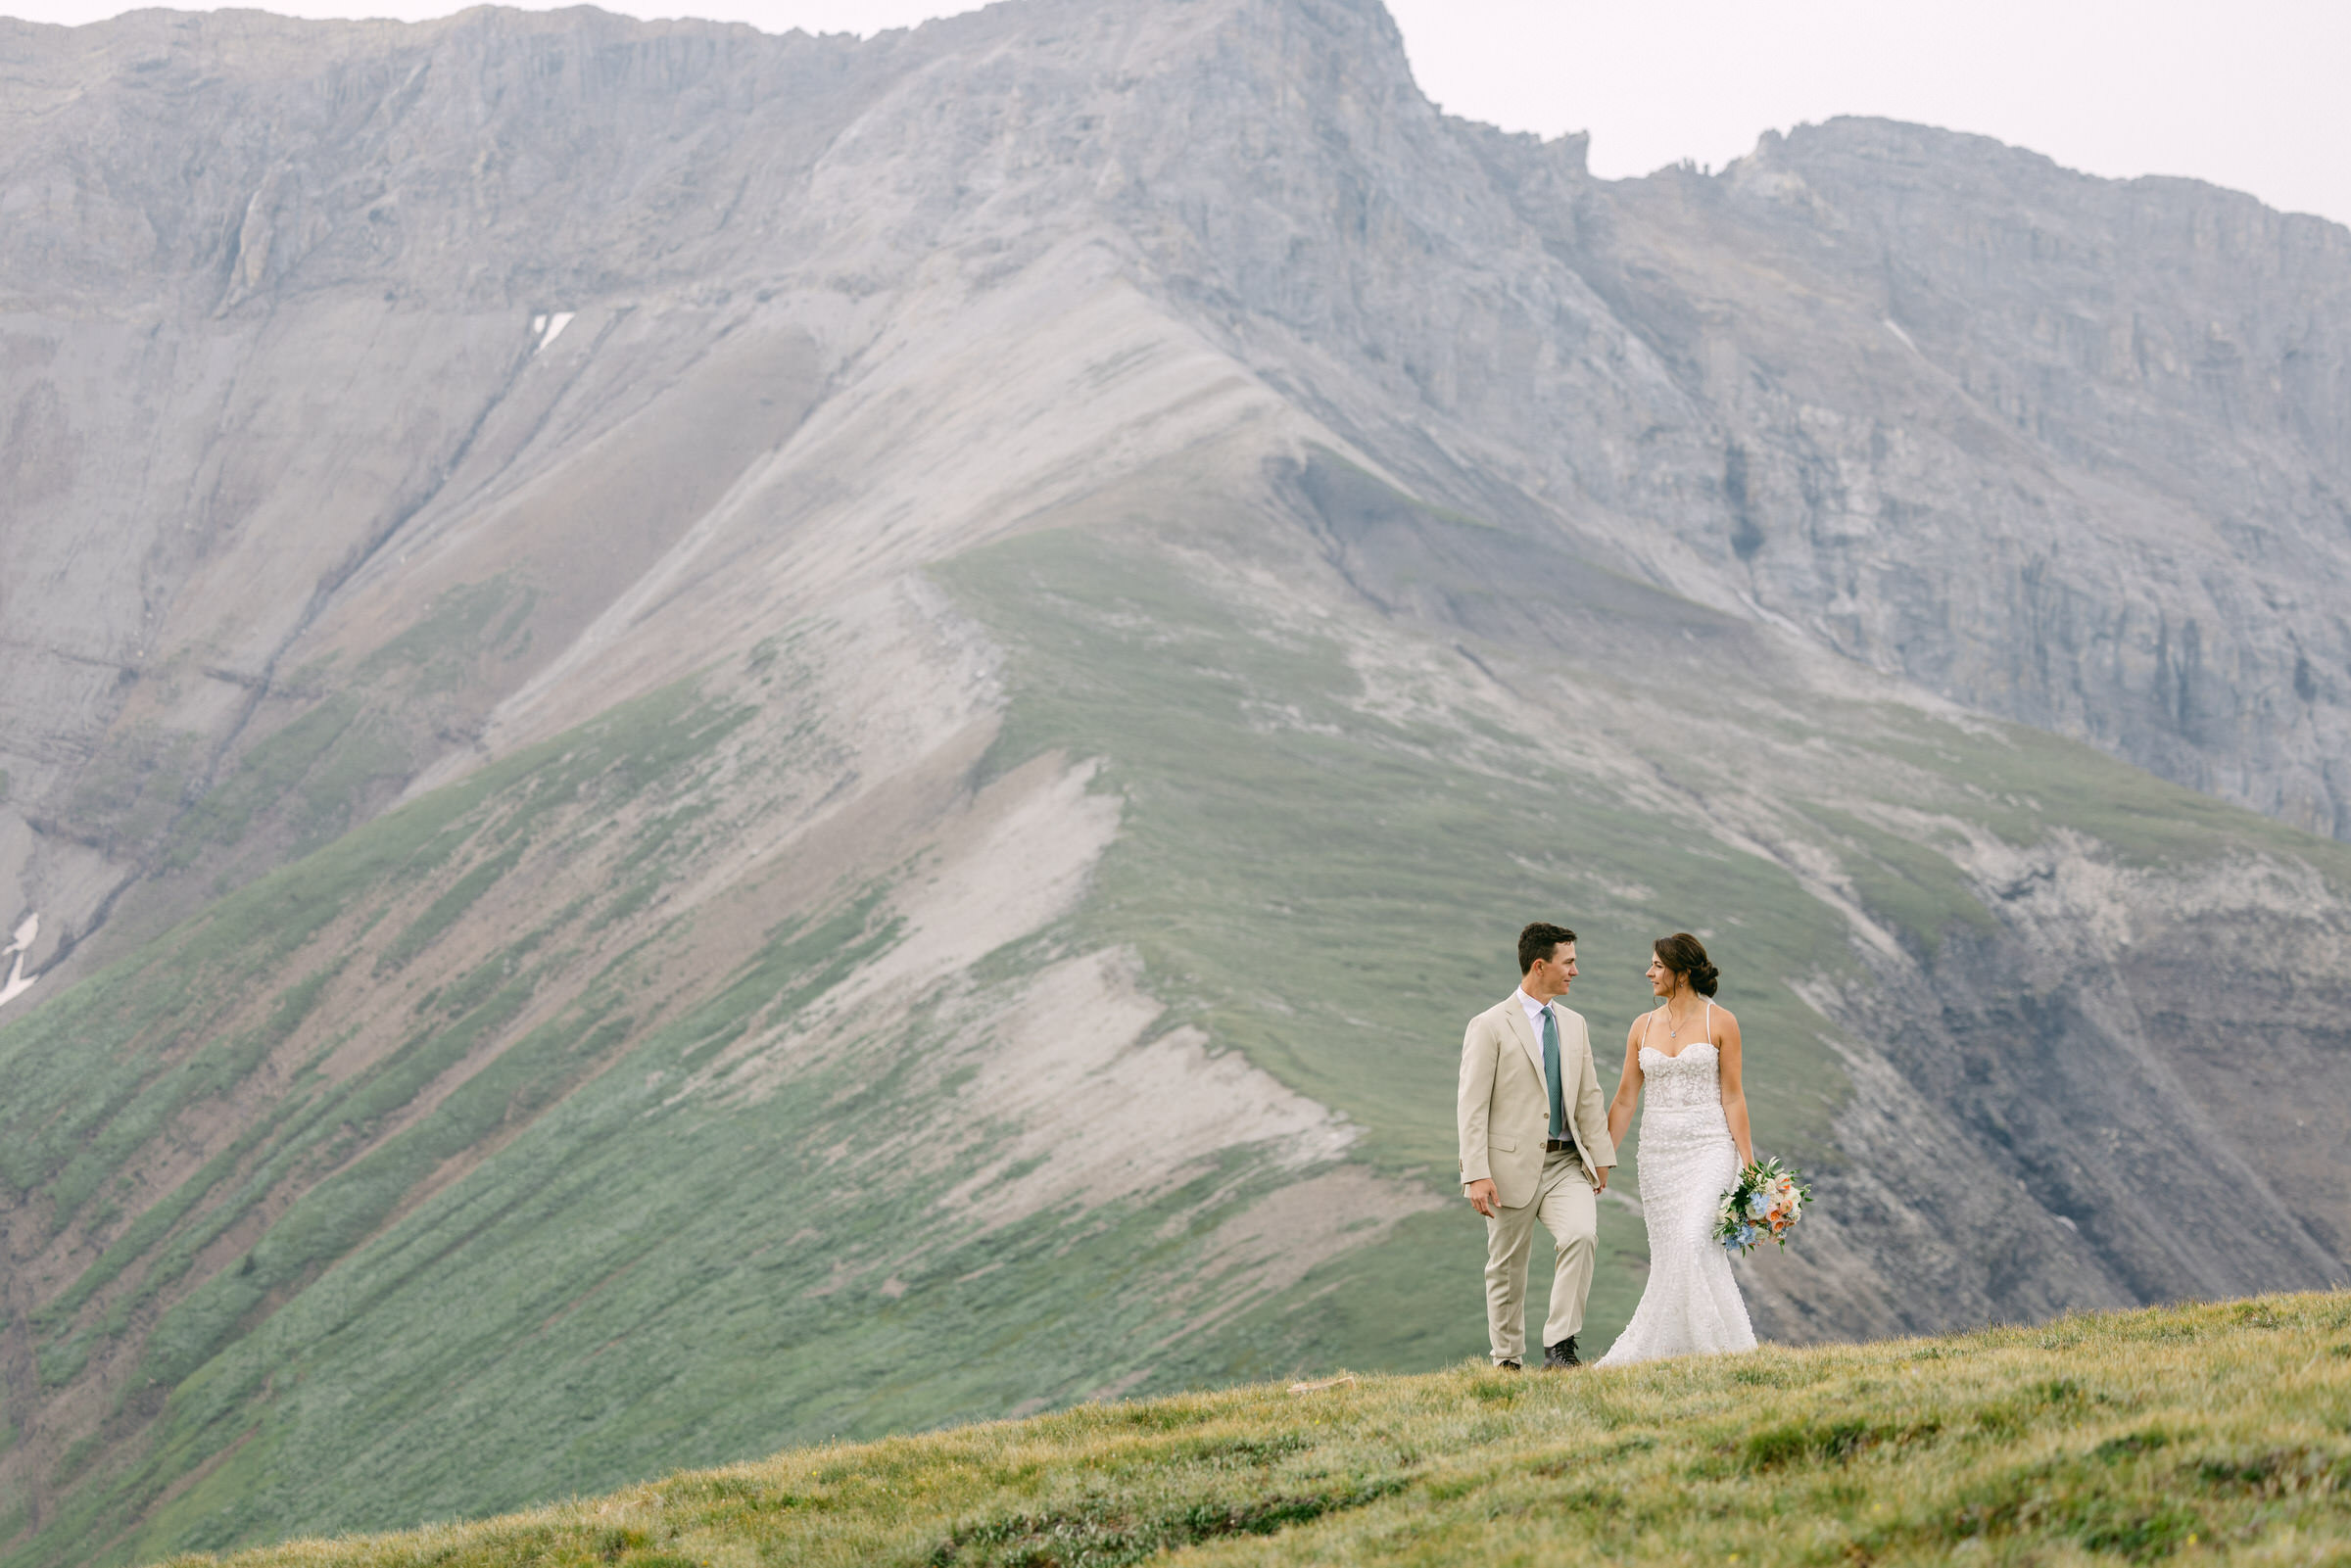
x=1601 y=1177
x=1481 y=1197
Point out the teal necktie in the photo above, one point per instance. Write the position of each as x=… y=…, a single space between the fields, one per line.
x=1551 y=1072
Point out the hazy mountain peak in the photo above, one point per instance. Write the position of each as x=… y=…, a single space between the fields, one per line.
x=648 y=664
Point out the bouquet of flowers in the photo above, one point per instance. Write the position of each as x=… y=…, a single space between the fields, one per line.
x=1762 y=1207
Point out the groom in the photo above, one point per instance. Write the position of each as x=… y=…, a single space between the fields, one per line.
x=1534 y=1145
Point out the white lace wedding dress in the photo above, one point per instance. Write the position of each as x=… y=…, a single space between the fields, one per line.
x=1691 y=1305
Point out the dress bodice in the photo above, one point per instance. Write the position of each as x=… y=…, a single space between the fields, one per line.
x=1689 y=1081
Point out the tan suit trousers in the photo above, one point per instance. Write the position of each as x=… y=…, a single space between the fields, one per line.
x=1565 y=1202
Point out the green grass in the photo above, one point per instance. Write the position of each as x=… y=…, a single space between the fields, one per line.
x=1906 y=884
x=99 y=1079
x=572 y=1271
x=2205 y=1433
x=1332 y=890
x=364 y=733
x=131 y=790
x=623 y=1274
x=1335 y=892
x=2018 y=782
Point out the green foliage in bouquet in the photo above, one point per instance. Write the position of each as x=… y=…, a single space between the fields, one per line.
x=1763 y=1205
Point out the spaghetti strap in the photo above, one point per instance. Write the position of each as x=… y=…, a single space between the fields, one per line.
x=1709 y=1020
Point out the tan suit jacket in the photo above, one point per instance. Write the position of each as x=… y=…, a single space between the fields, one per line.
x=1505 y=1110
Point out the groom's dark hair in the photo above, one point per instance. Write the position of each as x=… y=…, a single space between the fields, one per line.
x=1540 y=941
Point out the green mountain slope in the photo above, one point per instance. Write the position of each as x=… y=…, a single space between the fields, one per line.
x=713 y=1077
x=2209 y=1433
x=714 y=741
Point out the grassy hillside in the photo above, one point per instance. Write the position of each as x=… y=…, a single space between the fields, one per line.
x=499 y=1211
x=508 y=1144
x=1330 y=884
x=2210 y=1434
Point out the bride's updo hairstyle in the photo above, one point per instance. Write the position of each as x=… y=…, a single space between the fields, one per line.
x=1686 y=956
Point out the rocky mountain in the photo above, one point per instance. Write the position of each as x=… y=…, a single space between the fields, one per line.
x=712 y=738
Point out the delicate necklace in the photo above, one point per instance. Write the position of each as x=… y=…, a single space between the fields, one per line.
x=1673 y=1030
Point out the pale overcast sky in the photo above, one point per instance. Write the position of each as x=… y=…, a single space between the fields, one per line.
x=2249 y=94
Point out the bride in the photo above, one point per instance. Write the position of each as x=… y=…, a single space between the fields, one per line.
x=1693 y=1142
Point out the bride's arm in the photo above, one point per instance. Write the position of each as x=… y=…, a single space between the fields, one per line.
x=1734 y=1094
x=1628 y=1088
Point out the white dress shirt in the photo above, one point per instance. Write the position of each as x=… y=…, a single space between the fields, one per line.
x=1534 y=1021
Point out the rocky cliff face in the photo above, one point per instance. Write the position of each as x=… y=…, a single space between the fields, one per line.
x=2066 y=450
x=711 y=739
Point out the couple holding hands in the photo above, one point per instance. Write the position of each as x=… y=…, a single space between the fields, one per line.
x=1536 y=1145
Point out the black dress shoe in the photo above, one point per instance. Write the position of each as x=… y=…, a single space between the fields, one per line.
x=1561 y=1354
x=1508 y=1367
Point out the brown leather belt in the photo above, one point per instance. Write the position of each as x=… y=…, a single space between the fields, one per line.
x=1557 y=1146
